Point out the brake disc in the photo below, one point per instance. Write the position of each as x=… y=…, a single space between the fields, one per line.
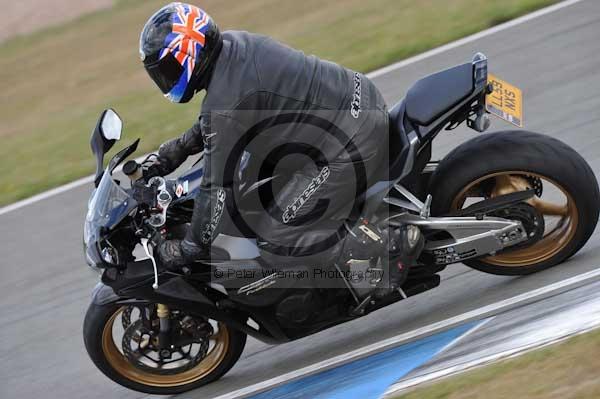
x=141 y=350
x=536 y=184
x=126 y=316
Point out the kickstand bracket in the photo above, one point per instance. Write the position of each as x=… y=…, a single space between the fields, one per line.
x=417 y=205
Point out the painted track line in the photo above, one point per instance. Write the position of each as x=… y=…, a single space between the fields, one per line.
x=465 y=335
x=484 y=312
x=374 y=74
x=46 y=194
x=59 y=190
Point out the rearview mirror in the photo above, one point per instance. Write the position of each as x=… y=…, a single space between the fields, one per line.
x=105 y=135
x=111 y=125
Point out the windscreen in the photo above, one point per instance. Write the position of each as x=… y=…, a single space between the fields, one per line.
x=109 y=203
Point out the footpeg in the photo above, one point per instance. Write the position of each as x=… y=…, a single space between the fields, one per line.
x=425 y=211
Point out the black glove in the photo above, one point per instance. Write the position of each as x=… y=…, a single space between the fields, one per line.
x=172 y=153
x=160 y=167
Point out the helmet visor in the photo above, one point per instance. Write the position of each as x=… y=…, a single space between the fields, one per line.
x=165 y=72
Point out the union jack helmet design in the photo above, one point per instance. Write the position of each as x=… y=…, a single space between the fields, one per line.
x=178 y=46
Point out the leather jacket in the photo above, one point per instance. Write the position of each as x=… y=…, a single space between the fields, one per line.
x=256 y=78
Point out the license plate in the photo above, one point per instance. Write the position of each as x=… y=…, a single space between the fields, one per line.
x=506 y=101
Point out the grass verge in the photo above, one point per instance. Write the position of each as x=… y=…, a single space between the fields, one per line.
x=55 y=82
x=568 y=370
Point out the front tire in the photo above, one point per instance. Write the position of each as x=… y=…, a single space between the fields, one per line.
x=108 y=356
x=504 y=162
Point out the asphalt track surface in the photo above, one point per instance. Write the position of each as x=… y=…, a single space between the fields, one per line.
x=46 y=285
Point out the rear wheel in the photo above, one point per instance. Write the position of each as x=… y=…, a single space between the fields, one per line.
x=122 y=341
x=566 y=194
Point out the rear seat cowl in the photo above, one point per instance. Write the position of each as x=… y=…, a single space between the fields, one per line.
x=433 y=95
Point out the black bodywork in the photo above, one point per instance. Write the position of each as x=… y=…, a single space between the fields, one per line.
x=283 y=312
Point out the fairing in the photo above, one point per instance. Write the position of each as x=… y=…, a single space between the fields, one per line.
x=108 y=206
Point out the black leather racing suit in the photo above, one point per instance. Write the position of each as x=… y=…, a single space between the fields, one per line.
x=326 y=124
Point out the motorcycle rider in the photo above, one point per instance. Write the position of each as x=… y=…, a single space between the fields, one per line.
x=249 y=79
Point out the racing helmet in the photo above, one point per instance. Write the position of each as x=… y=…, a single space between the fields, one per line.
x=179 y=46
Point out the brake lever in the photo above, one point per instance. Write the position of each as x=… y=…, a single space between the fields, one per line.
x=144 y=242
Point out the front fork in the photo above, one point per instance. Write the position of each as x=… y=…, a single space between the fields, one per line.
x=164 y=336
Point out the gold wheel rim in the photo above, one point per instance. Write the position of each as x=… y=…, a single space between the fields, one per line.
x=553 y=241
x=120 y=363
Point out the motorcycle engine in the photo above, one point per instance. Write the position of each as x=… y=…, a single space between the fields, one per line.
x=298 y=309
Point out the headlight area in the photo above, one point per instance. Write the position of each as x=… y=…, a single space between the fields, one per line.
x=110 y=255
x=92 y=257
x=101 y=250
x=108 y=246
x=98 y=255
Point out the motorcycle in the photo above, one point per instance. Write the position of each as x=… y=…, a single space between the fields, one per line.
x=508 y=203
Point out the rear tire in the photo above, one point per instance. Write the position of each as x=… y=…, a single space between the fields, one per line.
x=518 y=154
x=96 y=320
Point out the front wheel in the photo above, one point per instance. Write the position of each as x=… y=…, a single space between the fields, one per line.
x=566 y=194
x=122 y=341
